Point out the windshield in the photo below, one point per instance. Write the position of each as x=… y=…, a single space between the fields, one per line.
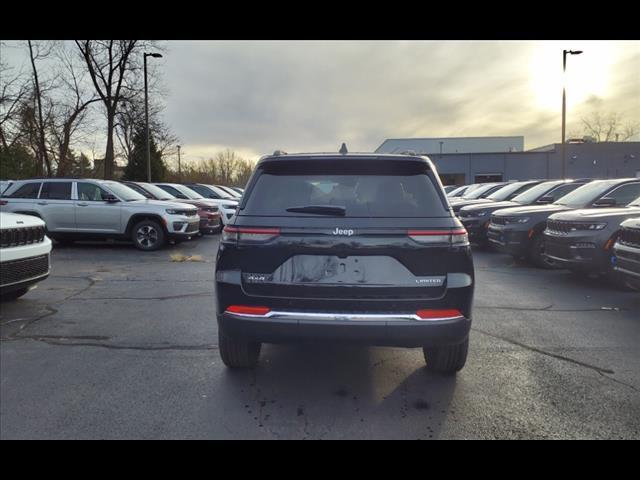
x=478 y=192
x=534 y=193
x=123 y=192
x=586 y=194
x=635 y=203
x=505 y=192
x=220 y=192
x=187 y=192
x=157 y=192
x=457 y=191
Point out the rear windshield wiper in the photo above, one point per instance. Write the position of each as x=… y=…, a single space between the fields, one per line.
x=320 y=210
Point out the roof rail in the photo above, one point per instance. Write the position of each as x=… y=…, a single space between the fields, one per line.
x=408 y=152
x=277 y=153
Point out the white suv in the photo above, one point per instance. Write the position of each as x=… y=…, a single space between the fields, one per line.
x=83 y=209
x=24 y=254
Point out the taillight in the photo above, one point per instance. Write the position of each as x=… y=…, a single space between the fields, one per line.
x=450 y=237
x=248 y=310
x=439 y=314
x=3 y=202
x=248 y=234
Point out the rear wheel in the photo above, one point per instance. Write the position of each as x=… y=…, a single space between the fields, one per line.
x=447 y=359
x=148 y=235
x=536 y=254
x=237 y=352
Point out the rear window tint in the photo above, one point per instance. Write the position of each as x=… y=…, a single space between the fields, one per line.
x=362 y=195
x=56 y=190
x=28 y=190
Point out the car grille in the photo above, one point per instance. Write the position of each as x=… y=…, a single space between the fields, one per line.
x=192 y=227
x=14 y=237
x=629 y=237
x=16 y=271
x=499 y=220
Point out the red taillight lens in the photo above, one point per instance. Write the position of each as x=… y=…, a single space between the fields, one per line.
x=3 y=202
x=248 y=310
x=452 y=237
x=248 y=234
x=439 y=314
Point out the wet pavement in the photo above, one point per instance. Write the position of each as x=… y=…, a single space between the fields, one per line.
x=123 y=344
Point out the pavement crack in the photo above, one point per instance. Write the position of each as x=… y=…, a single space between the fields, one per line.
x=549 y=308
x=549 y=354
x=58 y=341
x=164 y=297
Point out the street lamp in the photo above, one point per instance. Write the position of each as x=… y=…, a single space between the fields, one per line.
x=564 y=105
x=146 y=111
x=179 y=169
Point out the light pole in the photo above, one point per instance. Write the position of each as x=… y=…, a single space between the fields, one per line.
x=146 y=111
x=179 y=169
x=564 y=106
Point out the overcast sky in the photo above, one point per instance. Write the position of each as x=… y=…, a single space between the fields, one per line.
x=257 y=96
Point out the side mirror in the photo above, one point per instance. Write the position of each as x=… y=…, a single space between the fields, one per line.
x=111 y=199
x=605 y=202
x=546 y=199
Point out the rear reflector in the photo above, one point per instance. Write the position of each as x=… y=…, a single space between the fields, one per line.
x=249 y=234
x=248 y=310
x=452 y=237
x=438 y=314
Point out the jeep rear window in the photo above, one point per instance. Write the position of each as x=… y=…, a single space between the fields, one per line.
x=364 y=194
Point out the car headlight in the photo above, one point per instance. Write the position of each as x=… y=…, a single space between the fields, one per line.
x=595 y=226
x=517 y=220
x=482 y=213
x=173 y=211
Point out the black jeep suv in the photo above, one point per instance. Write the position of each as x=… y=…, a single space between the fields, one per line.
x=352 y=247
x=519 y=230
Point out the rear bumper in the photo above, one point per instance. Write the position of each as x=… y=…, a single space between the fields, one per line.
x=365 y=330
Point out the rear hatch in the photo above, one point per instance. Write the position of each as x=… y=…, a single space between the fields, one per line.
x=346 y=229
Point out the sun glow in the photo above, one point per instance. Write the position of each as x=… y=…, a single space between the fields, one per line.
x=587 y=74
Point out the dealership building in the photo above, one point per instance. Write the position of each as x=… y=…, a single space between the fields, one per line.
x=480 y=159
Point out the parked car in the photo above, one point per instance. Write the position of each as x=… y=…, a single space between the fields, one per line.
x=505 y=193
x=24 y=254
x=89 y=209
x=230 y=191
x=210 y=217
x=317 y=251
x=450 y=188
x=626 y=252
x=475 y=218
x=519 y=230
x=238 y=189
x=458 y=191
x=4 y=184
x=225 y=202
x=479 y=193
x=582 y=240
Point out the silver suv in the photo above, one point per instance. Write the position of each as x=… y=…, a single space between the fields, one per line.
x=75 y=209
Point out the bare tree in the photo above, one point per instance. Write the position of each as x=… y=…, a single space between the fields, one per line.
x=43 y=155
x=609 y=127
x=68 y=113
x=110 y=64
x=13 y=92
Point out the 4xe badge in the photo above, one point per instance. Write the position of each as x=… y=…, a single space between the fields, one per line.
x=340 y=231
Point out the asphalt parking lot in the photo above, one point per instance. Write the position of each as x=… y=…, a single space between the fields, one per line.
x=122 y=344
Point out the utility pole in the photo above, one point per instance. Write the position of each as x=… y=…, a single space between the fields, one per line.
x=179 y=168
x=146 y=111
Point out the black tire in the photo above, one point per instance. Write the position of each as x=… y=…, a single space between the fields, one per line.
x=536 y=253
x=7 y=297
x=238 y=352
x=148 y=235
x=448 y=359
